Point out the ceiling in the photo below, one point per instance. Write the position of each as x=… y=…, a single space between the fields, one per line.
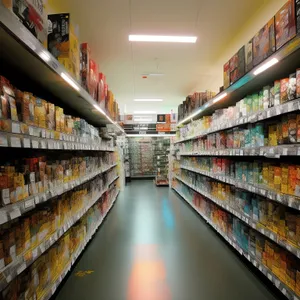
x=106 y=24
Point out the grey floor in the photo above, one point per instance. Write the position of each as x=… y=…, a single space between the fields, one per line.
x=153 y=246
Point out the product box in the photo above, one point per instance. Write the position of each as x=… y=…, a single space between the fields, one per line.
x=264 y=43
x=85 y=54
x=285 y=24
x=93 y=78
x=226 y=74
x=298 y=21
x=101 y=90
x=277 y=87
x=32 y=14
x=233 y=68
x=292 y=88
x=298 y=83
x=249 y=56
x=40 y=110
x=63 y=42
x=284 y=86
x=50 y=116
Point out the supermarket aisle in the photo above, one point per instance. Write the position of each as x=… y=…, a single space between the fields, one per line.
x=154 y=247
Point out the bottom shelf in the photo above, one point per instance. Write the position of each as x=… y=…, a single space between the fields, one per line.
x=53 y=288
x=284 y=289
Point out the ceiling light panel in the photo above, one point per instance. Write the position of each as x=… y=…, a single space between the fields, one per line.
x=162 y=38
x=148 y=100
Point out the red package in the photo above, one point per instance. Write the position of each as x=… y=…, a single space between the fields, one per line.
x=93 y=78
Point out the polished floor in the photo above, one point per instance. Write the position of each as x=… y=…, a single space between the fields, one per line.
x=153 y=246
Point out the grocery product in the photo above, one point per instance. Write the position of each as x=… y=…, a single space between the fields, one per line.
x=32 y=14
x=264 y=43
x=249 y=56
x=226 y=75
x=285 y=24
x=85 y=54
x=63 y=42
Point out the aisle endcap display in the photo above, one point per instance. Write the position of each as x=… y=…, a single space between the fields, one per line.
x=30 y=54
x=283 y=288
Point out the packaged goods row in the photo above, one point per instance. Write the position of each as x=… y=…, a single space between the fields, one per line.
x=276 y=95
x=23 y=240
x=58 y=34
x=282 y=28
x=40 y=280
x=24 y=107
x=20 y=179
x=283 y=130
x=278 y=261
x=277 y=176
x=281 y=220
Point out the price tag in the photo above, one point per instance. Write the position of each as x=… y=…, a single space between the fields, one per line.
x=37 y=199
x=50 y=144
x=34 y=253
x=43 y=144
x=43 y=133
x=15 y=142
x=270 y=277
x=35 y=144
x=255 y=263
x=26 y=143
x=29 y=203
x=15 y=127
x=31 y=130
x=15 y=213
x=21 y=268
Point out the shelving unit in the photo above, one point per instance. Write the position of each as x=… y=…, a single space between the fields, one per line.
x=61 y=185
x=161 y=161
x=231 y=182
x=141 y=157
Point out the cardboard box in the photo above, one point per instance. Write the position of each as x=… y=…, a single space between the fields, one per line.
x=285 y=24
x=85 y=54
x=233 y=68
x=249 y=56
x=93 y=79
x=226 y=74
x=264 y=43
x=63 y=43
x=284 y=86
x=32 y=14
x=101 y=90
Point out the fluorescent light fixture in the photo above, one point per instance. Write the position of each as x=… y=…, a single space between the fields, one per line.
x=144 y=112
x=162 y=38
x=150 y=135
x=266 y=66
x=148 y=100
x=45 y=56
x=220 y=97
x=70 y=81
x=99 y=109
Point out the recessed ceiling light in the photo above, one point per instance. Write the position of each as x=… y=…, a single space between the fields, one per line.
x=266 y=66
x=145 y=112
x=148 y=100
x=162 y=38
x=153 y=74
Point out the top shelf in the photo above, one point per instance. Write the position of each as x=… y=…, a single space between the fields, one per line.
x=289 y=59
x=20 y=49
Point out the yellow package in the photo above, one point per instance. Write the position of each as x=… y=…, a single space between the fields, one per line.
x=40 y=111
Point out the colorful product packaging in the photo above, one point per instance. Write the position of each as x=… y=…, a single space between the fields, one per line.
x=292 y=87
x=32 y=14
x=226 y=75
x=264 y=43
x=298 y=83
x=63 y=42
x=249 y=56
x=285 y=23
x=284 y=86
x=85 y=54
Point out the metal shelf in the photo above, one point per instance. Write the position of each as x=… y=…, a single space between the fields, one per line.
x=259 y=116
x=20 y=49
x=288 y=56
x=283 y=288
x=269 y=152
x=284 y=199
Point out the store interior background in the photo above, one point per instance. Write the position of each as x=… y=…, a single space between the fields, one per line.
x=187 y=67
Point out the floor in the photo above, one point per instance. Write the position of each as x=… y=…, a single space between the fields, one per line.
x=153 y=246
